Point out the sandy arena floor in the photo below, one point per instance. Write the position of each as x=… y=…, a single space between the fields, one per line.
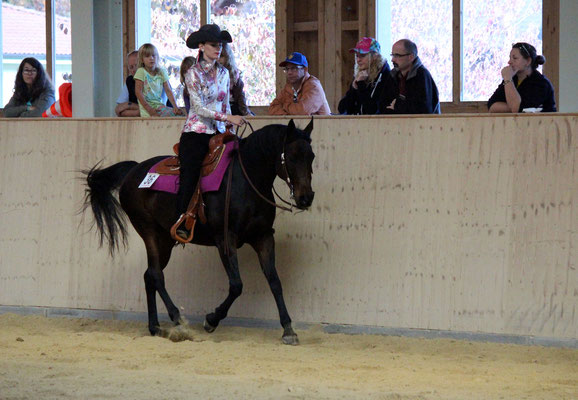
x=61 y=358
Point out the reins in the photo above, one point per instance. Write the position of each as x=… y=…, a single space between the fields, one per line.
x=283 y=164
x=230 y=180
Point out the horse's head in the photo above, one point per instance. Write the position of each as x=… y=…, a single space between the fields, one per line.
x=295 y=164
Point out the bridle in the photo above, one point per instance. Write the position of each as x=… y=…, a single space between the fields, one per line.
x=286 y=178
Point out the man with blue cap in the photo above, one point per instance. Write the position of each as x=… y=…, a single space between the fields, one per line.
x=303 y=93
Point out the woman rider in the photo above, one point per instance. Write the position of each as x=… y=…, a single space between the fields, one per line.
x=208 y=85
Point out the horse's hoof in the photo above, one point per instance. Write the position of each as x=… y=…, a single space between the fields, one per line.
x=180 y=333
x=292 y=340
x=208 y=327
x=154 y=330
x=176 y=319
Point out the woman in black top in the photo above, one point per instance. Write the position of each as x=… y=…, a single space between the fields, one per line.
x=523 y=86
x=371 y=77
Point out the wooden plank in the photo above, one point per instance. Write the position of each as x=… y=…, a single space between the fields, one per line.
x=304 y=11
x=551 y=42
x=131 y=25
x=362 y=21
x=310 y=26
x=329 y=50
x=283 y=19
x=204 y=9
x=349 y=26
x=371 y=18
x=324 y=9
x=464 y=107
x=50 y=50
x=338 y=58
x=457 y=41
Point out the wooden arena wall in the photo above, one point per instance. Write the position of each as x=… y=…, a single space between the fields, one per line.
x=461 y=223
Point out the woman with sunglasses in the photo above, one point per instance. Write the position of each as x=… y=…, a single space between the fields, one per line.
x=371 y=78
x=33 y=92
x=523 y=87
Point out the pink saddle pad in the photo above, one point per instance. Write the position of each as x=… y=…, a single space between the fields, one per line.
x=209 y=183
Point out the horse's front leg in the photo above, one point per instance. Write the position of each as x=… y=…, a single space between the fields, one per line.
x=235 y=285
x=265 y=248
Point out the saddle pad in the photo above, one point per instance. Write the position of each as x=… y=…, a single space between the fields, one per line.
x=209 y=183
x=212 y=182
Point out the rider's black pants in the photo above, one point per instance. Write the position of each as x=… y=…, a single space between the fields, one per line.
x=192 y=149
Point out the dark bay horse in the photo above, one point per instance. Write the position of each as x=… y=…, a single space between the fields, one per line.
x=275 y=150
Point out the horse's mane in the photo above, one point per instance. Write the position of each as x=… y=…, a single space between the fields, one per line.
x=266 y=142
x=271 y=135
x=263 y=141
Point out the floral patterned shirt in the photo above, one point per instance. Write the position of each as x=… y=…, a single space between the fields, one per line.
x=209 y=97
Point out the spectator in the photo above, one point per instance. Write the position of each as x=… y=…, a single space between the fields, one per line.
x=523 y=87
x=371 y=77
x=127 y=103
x=415 y=91
x=186 y=64
x=303 y=93
x=150 y=79
x=237 y=97
x=33 y=91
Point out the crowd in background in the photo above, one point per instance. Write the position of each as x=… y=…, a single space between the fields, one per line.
x=376 y=88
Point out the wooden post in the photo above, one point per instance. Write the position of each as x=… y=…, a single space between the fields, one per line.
x=50 y=50
x=551 y=42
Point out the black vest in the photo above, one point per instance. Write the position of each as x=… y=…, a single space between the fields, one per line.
x=130 y=85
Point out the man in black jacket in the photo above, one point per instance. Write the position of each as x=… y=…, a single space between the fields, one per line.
x=415 y=91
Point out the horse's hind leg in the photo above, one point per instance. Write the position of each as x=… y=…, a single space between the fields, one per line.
x=265 y=248
x=235 y=286
x=159 y=249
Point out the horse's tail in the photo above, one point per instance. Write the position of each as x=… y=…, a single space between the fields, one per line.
x=108 y=215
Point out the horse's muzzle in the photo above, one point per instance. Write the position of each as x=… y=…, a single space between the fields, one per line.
x=304 y=201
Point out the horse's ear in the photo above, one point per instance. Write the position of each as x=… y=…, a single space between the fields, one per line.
x=291 y=125
x=309 y=128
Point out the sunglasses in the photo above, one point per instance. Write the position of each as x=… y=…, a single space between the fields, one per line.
x=522 y=47
x=291 y=69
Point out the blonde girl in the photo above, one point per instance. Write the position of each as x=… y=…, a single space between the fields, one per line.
x=150 y=80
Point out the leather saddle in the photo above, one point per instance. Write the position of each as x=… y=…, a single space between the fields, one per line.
x=171 y=165
x=196 y=207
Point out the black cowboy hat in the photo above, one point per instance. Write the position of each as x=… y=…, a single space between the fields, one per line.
x=208 y=33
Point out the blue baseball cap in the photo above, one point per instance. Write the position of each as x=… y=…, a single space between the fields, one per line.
x=295 y=58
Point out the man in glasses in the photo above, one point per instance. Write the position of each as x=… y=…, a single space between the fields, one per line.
x=415 y=90
x=303 y=93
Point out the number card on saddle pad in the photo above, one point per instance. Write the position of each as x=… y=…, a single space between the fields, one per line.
x=162 y=180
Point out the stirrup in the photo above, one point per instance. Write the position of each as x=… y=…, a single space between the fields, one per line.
x=176 y=226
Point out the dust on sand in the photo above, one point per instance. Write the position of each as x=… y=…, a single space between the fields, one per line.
x=60 y=358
